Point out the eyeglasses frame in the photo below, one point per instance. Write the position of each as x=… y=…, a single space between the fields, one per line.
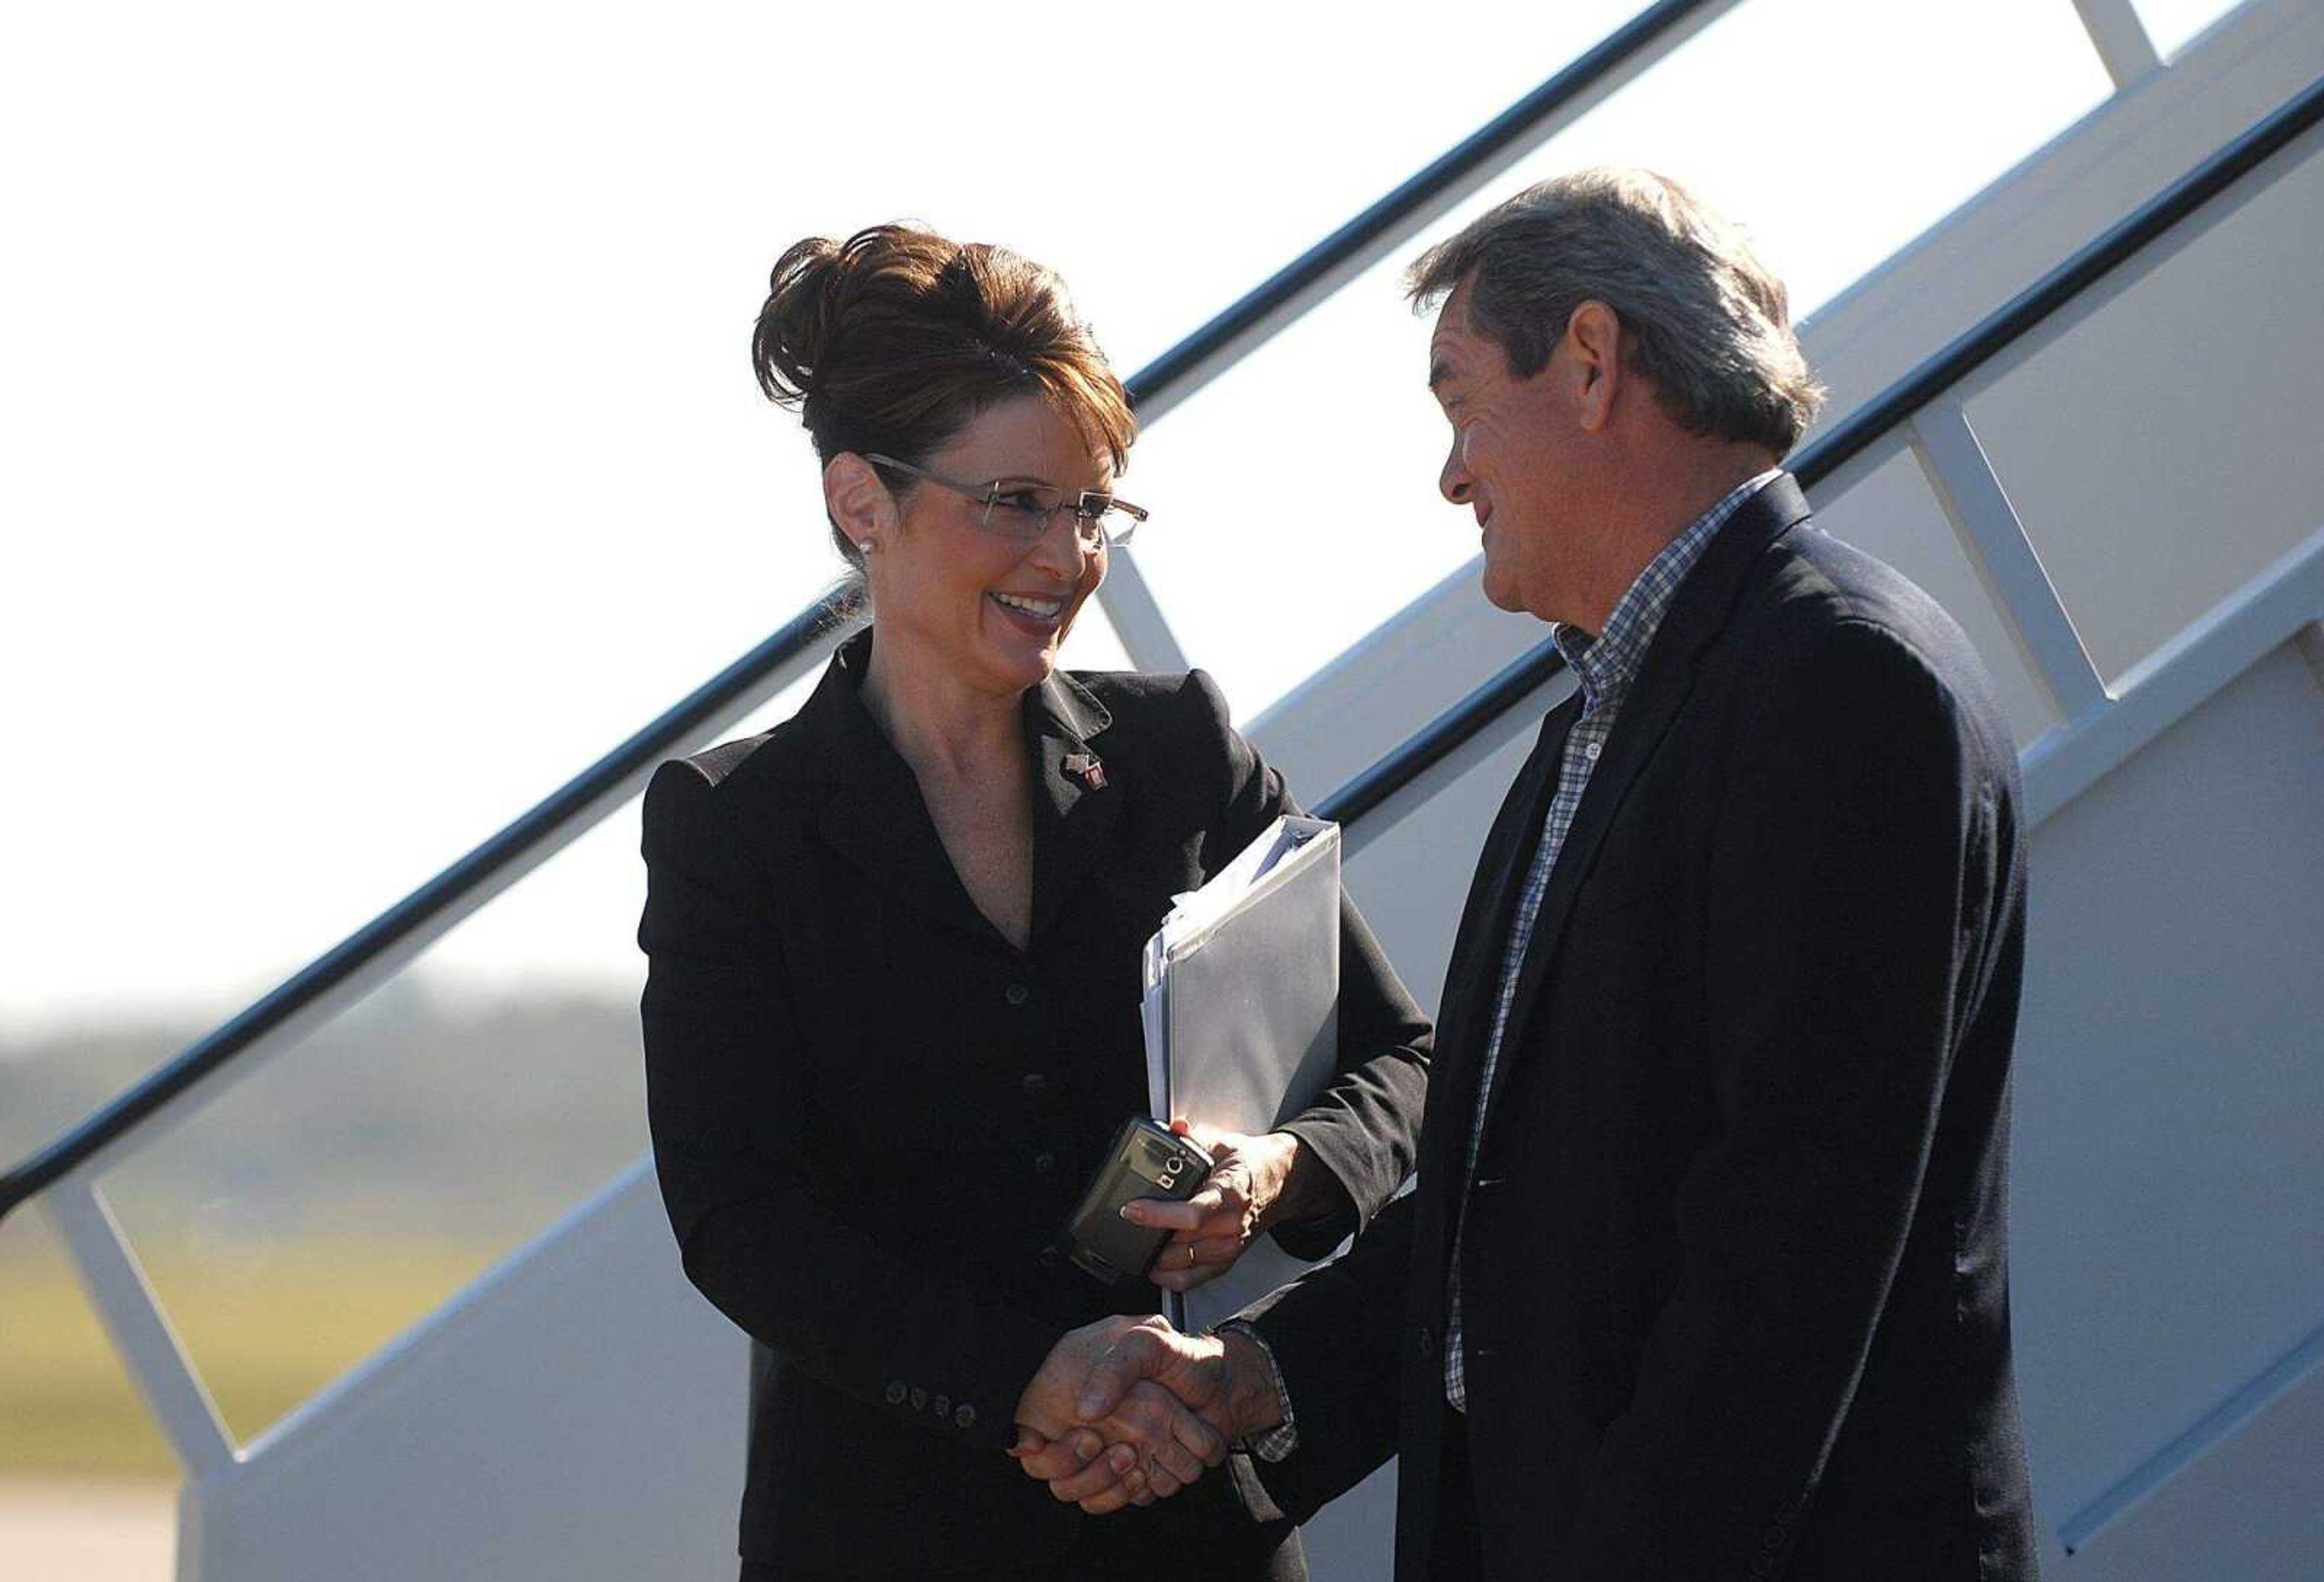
x=988 y=495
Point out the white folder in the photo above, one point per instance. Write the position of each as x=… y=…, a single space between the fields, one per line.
x=1242 y=1014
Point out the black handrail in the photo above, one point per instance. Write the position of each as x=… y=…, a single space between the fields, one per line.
x=1960 y=357
x=1152 y=384
x=1316 y=269
x=1434 y=743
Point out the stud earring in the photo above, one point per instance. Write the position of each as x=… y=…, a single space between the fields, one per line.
x=867 y=545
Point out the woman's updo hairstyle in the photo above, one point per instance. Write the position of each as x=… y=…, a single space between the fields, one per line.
x=896 y=339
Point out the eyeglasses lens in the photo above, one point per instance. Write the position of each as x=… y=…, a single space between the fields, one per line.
x=1026 y=513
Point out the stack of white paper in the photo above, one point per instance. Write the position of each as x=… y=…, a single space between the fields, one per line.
x=1241 y=1012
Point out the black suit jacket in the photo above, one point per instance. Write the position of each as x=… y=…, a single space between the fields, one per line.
x=1734 y=1295
x=872 y=1115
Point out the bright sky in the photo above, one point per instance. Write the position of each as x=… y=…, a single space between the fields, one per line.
x=378 y=445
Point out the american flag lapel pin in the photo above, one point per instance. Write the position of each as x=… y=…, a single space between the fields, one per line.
x=1084 y=767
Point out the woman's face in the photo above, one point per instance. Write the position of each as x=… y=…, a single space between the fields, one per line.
x=991 y=608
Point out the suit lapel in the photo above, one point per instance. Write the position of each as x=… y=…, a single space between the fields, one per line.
x=874 y=815
x=1465 y=1009
x=886 y=832
x=876 y=818
x=1698 y=613
x=1075 y=799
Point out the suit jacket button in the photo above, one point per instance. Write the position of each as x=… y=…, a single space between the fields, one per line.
x=895 y=1393
x=1052 y=1257
x=963 y=1417
x=1033 y=1083
x=1426 y=1339
x=1015 y=994
x=1044 y=1162
x=941 y=1405
x=920 y=1400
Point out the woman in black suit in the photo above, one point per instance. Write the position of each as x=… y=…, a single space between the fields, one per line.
x=891 y=1018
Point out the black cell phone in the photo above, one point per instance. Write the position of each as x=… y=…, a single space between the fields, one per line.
x=1144 y=1160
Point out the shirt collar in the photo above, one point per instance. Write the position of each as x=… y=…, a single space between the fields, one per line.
x=1609 y=662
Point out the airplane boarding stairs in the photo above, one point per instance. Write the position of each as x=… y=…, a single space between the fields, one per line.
x=2115 y=483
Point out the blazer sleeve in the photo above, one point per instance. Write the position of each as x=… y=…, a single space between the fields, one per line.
x=1849 y=901
x=1364 y=1127
x=724 y=1106
x=1334 y=1334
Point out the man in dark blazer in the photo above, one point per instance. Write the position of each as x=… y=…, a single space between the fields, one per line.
x=1704 y=1275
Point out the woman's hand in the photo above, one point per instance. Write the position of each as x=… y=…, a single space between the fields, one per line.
x=1154 y=1442
x=1254 y=1183
x=1224 y=1379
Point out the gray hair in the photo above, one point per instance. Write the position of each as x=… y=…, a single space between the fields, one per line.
x=1705 y=322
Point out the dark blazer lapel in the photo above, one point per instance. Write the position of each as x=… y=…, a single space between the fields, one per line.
x=874 y=815
x=1698 y=612
x=1465 y=1010
x=1076 y=800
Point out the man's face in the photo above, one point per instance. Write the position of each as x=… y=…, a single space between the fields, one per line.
x=1512 y=441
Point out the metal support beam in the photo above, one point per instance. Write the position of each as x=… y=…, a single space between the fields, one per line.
x=2120 y=38
x=1986 y=524
x=140 y=1331
x=1138 y=618
x=2310 y=645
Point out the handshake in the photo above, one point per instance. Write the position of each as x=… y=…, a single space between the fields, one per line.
x=1129 y=1411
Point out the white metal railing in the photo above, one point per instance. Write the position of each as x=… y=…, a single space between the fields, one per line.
x=2283 y=605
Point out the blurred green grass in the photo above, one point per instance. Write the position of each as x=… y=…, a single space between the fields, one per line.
x=294 y=1223
x=265 y=1332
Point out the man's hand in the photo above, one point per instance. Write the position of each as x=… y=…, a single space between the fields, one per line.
x=1254 y=1183
x=1154 y=1444
x=1223 y=1379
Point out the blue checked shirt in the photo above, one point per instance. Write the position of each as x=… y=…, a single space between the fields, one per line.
x=1606 y=664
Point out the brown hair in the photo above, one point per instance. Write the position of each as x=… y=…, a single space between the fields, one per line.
x=1705 y=321
x=895 y=339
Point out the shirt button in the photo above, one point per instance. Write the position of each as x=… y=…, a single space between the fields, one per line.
x=1592 y=750
x=963 y=1417
x=1015 y=994
x=1044 y=1162
x=1033 y=1084
x=895 y=1393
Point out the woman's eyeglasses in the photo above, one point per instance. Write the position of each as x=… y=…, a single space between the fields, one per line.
x=1022 y=511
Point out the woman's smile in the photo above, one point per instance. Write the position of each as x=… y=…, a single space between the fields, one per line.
x=1031 y=611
